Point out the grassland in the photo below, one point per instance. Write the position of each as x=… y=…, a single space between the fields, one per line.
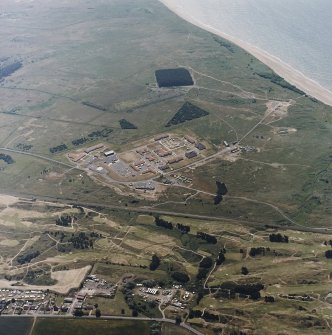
x=65 y=326
x=16 y=326
x=290 y=171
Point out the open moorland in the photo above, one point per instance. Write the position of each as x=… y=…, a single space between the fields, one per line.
x=73 y=89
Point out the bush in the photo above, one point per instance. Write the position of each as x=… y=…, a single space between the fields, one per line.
x=206 y=262
x=155 y=262
x=181 y=277
x=244 y=270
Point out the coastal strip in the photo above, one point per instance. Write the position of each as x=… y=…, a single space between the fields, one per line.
x=293 y=76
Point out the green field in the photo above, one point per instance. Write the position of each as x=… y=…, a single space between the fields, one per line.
x=86 y=327
x=15 y=326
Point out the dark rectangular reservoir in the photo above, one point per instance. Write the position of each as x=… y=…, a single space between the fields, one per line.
x=174 y=77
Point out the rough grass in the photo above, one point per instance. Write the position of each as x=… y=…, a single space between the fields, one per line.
x=86 y=327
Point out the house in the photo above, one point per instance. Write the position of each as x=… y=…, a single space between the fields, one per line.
x=93 y=148
x=174 y=160
x=163 y=167
x=190 y=139
x=161 y=137
x=109 y=153
x=191 y=154
x=163 y=153
x=152 y=291
x=200 y=146
x=80 y=296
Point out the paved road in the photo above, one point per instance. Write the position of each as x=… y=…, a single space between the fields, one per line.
x=41 y=157
x=152 y=210
x=67 y=316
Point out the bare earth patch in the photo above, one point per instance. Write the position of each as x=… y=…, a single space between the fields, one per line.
x=66 y=280
x=9 y=243
x=7 y=200
x=276 y=110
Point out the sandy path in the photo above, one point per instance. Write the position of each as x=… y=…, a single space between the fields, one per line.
x=283 y=69
x=7 y=200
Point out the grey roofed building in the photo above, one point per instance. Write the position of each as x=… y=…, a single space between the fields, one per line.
x=200 y=146
x=191 y=154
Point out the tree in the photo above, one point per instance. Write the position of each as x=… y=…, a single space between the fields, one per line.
x=202 y=273
x=244 y=270
x=155 y=262
x=206 y=262
x=135 y=313
x=178 y=320
x=78 y=312
x=328 y=253
x=269 y=298
x=180 y=276
x=98 y=313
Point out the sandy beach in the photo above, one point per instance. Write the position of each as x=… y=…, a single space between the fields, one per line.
x=284 y=70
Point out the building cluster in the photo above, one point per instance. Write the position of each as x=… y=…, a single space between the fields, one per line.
x=19 y=301
x=156 y=156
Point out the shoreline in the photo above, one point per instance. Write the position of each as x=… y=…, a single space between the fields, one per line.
x=284 y=70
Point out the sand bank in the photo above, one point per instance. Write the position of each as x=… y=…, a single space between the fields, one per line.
x=283 y=69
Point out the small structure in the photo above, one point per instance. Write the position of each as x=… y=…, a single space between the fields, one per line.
x=139 y=163
x=111 y=159
x=226 y=144
x=93 y=148
x=78 y=305
x=134 y=167
x=200 y=146
x=146 y=186
x=175 y=159
x=163 y=167
x=76 y=156
x=190 y=139
x=191 y=154
x=152 y=291
x=64 y=309
x=80 y=296
x=161 y=137
x=328 y=298
x=163 y=153
x=142 y=151
x=148 y=171
x=109 y=153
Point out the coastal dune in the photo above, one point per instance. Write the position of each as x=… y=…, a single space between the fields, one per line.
x=293 y=76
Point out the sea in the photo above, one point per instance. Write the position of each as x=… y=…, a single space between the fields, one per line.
x=298 y=32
